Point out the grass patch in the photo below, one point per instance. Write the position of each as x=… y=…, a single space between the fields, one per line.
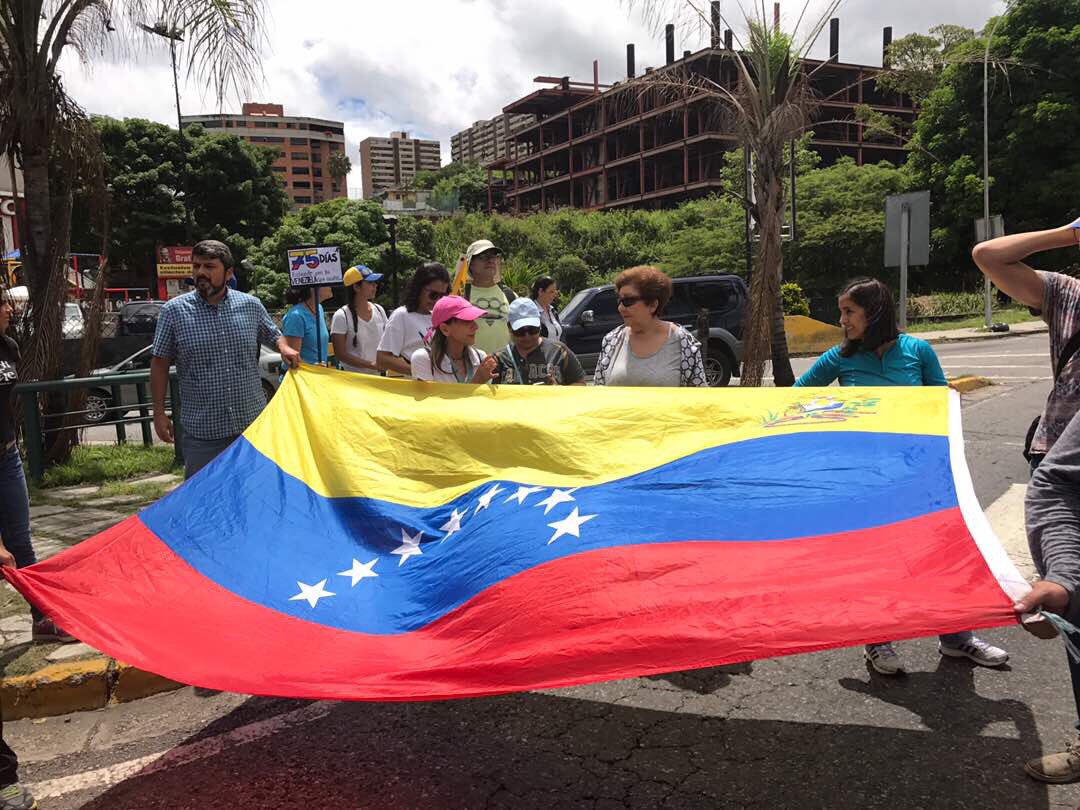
x=102 y=463
x=145 y=491
x=1009 y=316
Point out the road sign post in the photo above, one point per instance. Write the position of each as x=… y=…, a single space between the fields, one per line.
x=997 y=228
x=907 y=238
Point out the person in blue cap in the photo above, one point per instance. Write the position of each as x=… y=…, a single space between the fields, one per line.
x=529 y=359
x=357 y=327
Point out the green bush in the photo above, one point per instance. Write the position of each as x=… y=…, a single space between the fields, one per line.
x=795 y=302
x=945 y=303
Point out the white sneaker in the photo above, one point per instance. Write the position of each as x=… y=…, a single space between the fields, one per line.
x=977 y=650
x=883 y=658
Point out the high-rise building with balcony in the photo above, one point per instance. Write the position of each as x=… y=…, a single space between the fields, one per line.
x=304 y=145
x=389 y=162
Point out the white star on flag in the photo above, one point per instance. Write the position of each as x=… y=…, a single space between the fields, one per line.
x=555 y=498
x=359 y=571
x=522 y=494
x=311 y=593
x=571 y=524
x=485 y=499
x=452 y=525
x=410 y=546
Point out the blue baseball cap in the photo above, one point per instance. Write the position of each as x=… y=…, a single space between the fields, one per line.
x=524 y=312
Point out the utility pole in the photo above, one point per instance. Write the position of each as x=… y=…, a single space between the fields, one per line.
x=174 y=35
x=987 y=306
x=391 y=223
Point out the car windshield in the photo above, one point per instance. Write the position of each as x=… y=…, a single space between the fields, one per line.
x=575 y=303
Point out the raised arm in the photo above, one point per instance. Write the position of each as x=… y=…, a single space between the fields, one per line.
x=1001 y=260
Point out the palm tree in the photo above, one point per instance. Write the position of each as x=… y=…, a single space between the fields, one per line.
x=768 y=107
x=43 y=131
x=338 y=166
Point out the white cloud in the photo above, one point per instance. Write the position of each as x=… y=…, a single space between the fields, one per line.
x=433 y=67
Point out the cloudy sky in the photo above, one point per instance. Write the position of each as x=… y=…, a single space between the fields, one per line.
x=432 y=67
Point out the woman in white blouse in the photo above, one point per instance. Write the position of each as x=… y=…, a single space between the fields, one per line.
x=545 y=292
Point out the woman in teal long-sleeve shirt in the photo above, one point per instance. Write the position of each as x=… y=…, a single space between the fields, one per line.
x=874 y=352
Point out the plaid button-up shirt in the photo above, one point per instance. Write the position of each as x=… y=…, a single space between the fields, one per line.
x=216 y=349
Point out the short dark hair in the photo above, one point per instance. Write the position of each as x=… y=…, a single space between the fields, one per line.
x=876 y=300
x=213 y=249
x=297 y=295
x=427 y=273
x=652 y=282
x=539 y=286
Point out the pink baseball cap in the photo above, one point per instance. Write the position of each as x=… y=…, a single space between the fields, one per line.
x=453 y=306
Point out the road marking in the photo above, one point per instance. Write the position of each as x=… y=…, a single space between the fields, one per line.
x=980 y=365
x=1006 y=516
x=180 y=755
x=1044 y=355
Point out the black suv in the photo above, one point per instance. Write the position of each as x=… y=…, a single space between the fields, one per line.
x=139 y=318
x=594 y=312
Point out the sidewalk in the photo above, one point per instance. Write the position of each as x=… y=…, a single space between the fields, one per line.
x=41 y=680
x=958 y=335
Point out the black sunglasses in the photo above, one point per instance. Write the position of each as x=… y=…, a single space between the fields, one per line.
x=527 y=330
x=629 y=301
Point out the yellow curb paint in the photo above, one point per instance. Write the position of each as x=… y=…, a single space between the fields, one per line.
x=131 y=684
x=808 y=336
x=969 y=383
x=77 y=686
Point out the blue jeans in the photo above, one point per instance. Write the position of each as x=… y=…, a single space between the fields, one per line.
x=200 y=452
x=15 y=512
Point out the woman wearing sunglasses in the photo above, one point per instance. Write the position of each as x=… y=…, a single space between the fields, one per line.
x=647 y=350
x=409 y=324
x=450 y=355
x=530 y=359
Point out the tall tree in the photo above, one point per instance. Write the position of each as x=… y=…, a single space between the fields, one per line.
x=769 y=105
x=338 y=166
x=231 y=189
x=45 y=133
x=1034 y=114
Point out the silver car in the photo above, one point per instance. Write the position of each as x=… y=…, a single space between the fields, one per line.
x=100 y=400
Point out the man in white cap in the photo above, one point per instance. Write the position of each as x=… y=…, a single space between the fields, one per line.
x=485 y=290
x=530 y=359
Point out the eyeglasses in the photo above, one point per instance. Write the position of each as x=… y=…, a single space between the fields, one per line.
x=527 y=330
x=629 y=301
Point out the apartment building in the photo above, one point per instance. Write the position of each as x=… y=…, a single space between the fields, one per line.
x=389 y=162
x=485 y=141
x=304 y=145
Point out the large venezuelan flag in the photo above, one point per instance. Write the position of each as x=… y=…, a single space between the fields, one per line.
x=392 y=540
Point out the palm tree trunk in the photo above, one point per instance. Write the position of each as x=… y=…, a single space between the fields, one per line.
x=762 y=342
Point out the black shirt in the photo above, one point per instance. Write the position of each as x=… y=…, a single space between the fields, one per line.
x=9 y=362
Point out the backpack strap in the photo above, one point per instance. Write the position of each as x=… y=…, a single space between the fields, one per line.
x=1067 y=354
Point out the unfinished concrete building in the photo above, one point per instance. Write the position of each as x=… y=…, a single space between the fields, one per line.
x=632 y=144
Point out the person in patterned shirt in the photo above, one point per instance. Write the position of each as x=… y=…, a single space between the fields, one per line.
x=213 y=336
x=1057 y=297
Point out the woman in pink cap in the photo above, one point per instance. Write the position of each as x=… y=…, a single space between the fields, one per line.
x=450 y=355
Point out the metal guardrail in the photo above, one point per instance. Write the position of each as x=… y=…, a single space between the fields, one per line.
x=32 y=423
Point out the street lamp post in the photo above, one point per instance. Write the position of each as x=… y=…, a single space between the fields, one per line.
x=174 y=35
x=391 y=223
x=988 y=310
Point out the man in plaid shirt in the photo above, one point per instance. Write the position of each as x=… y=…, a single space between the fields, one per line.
x=213 y=336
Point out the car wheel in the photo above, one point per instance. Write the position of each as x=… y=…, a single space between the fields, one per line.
x=97 y=407
x=268 y=391
x=717 y=369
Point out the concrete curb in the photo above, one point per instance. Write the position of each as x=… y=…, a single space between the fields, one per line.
x=985 y=335
x=969 y=383
x=77 y=686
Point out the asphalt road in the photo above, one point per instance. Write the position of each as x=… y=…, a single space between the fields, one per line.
x=805 y=731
